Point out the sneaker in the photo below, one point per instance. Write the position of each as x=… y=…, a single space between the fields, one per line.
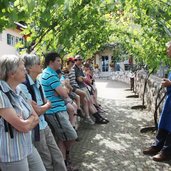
x=89 y=121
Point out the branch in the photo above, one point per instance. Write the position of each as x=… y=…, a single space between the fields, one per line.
x=41 y=35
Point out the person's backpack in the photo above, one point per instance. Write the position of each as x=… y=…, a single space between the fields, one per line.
x=8 y=127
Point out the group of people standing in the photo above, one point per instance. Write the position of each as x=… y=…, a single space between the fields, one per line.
x=38 y=110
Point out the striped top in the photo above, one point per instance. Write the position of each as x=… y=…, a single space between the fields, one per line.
x=72 y=78
x=77 y=72
x=50 y=81
x=19 y=147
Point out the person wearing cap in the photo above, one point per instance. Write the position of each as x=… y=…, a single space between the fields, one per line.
x=71 y=59
x=161 y=149
x=77 y=79
x=75 y=94
x=57 y=116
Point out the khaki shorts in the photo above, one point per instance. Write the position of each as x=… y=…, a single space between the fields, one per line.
x=61 y=126
x=88 y=96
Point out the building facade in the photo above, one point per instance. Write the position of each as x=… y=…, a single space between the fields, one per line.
x=103 y=60
x=9 y=38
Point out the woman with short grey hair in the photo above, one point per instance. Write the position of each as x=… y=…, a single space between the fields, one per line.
x=17 y=119
x=30 y=60
x=43 y=137
x=8 y=64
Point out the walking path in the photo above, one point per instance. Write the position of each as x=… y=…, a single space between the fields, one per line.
x=118 y=145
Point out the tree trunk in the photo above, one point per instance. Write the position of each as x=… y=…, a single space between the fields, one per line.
x=157 y=107
x=143 y=98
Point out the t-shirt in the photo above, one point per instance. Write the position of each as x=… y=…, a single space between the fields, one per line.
x=50 y=81
x=78 y=73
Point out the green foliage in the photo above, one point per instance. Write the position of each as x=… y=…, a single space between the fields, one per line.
x=139 y=27
x=143 y=28
x=81 y=29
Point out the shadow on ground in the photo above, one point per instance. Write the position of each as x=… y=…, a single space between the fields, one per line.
x=118 y=145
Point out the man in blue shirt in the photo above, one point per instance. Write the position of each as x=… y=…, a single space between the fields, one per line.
x=46 y=146
x=57 y=115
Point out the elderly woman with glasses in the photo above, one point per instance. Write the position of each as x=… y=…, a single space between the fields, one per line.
x=17 y=119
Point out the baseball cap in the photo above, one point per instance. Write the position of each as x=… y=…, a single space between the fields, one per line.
x=71 y=59
x=78 y=57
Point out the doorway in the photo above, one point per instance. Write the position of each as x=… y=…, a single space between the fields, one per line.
x=105 y=63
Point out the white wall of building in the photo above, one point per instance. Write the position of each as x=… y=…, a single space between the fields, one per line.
x=4 y=47
x=97 y=59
